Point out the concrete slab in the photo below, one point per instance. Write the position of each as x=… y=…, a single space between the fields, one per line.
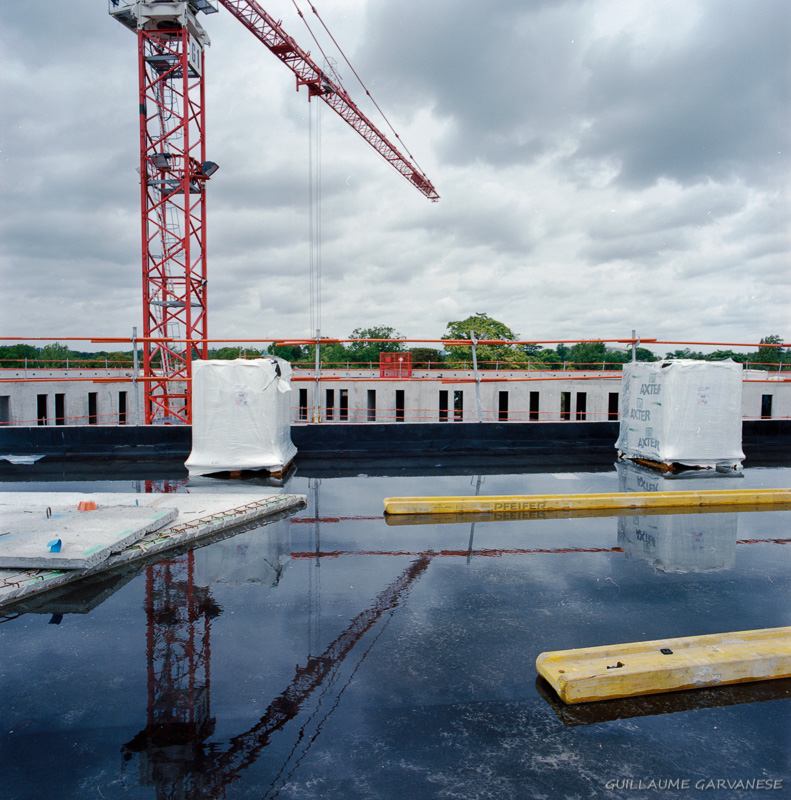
x=202 y=519
x=77 y=597
x=82 y=538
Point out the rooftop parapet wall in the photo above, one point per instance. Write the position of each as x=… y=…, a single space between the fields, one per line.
x=520 y=445
x=583 y=396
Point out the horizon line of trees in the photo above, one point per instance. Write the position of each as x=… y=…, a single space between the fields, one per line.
x=358 y=352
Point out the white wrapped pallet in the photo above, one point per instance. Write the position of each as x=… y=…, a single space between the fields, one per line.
x=241 y=416
x=682 y=414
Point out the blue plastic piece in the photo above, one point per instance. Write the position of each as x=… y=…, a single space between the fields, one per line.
x=54 y=546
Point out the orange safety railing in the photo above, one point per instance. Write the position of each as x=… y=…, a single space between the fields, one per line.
x=114 y=418
x=525 y=362
x=68 y=366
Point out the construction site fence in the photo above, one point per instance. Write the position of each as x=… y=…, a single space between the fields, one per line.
x=254 y=348
x=530 y=365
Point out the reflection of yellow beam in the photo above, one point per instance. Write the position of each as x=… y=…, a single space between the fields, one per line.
x=565 y=502
x=667 y=665
x=568 y=513
x=573 y=714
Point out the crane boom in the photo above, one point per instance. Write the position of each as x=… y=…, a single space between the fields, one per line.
x=269 y=31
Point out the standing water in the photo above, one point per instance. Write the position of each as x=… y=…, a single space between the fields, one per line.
x=335 y=654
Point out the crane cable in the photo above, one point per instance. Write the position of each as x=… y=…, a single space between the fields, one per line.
x=360 y=80
x=327 y=59
x=354 y=71
x=314 y=214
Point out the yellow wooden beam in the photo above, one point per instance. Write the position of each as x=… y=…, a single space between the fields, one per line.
x=666 y=665
x=396 y=520
x=565 y=502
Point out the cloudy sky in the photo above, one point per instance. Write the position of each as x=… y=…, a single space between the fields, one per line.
x=603 y=166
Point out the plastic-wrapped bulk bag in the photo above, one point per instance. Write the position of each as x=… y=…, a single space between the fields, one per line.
x=682 y=414
x=241 y=416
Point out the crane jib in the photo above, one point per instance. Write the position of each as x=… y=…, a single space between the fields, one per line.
x=308 y=73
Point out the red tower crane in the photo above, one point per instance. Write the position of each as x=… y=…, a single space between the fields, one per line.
x=174 y=755
x=174 y=173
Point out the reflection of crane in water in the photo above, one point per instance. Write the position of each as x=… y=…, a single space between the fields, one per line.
x=173 y=755
x=178 y=655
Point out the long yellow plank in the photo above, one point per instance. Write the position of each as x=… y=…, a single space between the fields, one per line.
x=565 y=502
x=396 y=520
x=667 y=665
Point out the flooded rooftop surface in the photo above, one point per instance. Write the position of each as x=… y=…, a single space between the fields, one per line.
x=331 y=654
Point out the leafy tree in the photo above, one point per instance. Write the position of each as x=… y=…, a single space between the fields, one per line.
x=547 y=359
x=482 y=326
x=230 y=353
x=721 y=355
x=368 y=352
x=587 y=355
x=644 y=355
x=768 y=357
x=85 y=359
x=426 y=358
x=591 y=355
x=98 y=359
x=13 y=356
x=564 y=352
x=333 y=355
x=289 y=352
x=54 y=355
x=119 y=360
x=224 y=353
x=765 y=358
x=686 y=353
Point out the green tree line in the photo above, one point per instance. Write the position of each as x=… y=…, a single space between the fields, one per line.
x=59 y=356
x=361 y=354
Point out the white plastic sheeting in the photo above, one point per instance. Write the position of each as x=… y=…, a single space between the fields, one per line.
x=241 y=416
x=685 y=412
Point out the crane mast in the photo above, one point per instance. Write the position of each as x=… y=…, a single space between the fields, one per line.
x=173 y=176
x=174 y=173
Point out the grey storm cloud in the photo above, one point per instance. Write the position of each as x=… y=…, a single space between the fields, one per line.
x=590 y=155
x=517 y=78
x=715 y=106
x=505 y=76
